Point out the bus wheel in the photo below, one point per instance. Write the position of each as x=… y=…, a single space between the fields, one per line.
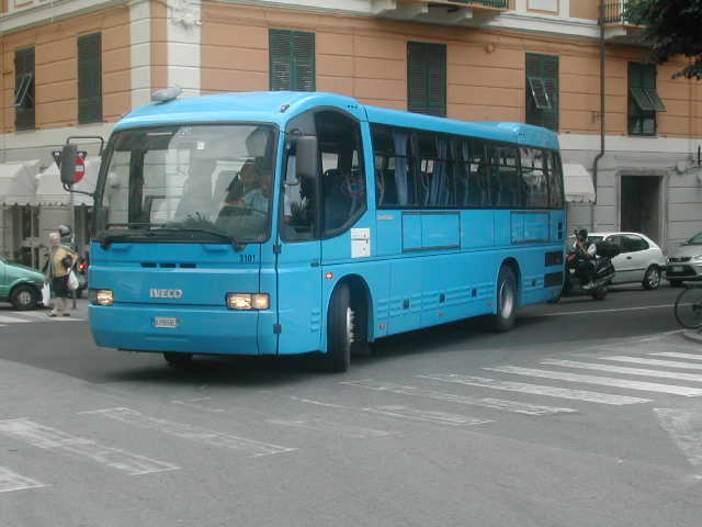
x=178 y=360
x=339 y=331
x=506 y=300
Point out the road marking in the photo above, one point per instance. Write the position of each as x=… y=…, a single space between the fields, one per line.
x=685 y=427
x=324 y=425
x=693 y=377
x=195 y=403
x=190 y=432
x=537 y=389
x=51 y=438
x=4 y=319
x=402 y=412
x=495 y=404
x=11 y=481
x=604 y=381
x=601 y=311
x=654 y=362
x=676 y=355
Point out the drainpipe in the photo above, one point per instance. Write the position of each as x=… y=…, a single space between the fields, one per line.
x=602 y=112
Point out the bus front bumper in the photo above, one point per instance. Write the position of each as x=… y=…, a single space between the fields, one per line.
x=191 y=329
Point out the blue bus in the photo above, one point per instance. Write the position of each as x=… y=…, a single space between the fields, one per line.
x=281 y=223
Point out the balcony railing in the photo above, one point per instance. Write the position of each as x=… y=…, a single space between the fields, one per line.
x=492 y=4
x=614 y=12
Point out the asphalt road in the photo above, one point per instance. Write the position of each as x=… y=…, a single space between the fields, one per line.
x=586 y=414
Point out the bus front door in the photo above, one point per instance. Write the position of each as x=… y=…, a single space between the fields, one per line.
x=299 y=297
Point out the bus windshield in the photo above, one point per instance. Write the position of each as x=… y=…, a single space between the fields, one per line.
x=200 y=183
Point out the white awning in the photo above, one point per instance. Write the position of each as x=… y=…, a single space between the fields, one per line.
x=50 y=191
x=18 y=182
x=578 y=184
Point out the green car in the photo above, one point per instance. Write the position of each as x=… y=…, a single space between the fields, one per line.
x=20 y=285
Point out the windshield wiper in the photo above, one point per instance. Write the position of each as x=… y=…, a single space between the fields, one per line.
x=219 y=234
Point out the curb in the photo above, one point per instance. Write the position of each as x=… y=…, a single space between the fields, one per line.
x=693 y=335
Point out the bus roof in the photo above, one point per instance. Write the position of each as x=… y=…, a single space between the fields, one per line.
x=278 y=106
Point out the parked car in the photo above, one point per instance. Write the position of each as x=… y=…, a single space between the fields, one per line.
x=20 y=285
x=639 y=260
x=685 y=262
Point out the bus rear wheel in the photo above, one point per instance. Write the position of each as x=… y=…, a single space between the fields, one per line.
x=506 y=300
x=339 y=331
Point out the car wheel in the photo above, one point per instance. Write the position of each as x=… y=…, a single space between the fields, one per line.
x=652 y=278
x=24 y=297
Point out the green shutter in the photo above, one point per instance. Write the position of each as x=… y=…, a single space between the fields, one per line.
x=426 y=78
x=90 y=78
x=292 y=60
x=24 y=89
x=542 y=70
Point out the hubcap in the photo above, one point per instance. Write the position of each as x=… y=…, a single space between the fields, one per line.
x=25 y=298
x=654 y=277
x=506 y=300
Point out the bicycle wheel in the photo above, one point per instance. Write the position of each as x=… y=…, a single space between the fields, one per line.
x=688 y=308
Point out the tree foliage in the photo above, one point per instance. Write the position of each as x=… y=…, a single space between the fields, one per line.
x=672 y=27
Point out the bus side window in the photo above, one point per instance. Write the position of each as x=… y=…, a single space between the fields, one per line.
x=534 y=177
x=555 y=181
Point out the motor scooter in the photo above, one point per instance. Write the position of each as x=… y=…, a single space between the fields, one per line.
x=601 y=276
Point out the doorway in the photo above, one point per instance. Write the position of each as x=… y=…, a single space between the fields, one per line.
x=640 y=205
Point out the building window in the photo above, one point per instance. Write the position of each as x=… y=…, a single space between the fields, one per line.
x=644 y=101
x=292 y=60
x=542 y=90
x=24 y=89
x=90 y=78
x=426 y=78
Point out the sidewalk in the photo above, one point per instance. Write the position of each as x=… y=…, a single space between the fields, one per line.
x=693 y=335
x=80 y=311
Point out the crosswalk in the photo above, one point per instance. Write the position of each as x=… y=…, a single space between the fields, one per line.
x=613 y=379
x=9 y=318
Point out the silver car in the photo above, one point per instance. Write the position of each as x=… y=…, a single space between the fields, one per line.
x=685 y=262
x=639 y=260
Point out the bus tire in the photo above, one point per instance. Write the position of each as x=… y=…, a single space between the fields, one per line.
x=339 y=331
x=178 y=360
x=506 y=300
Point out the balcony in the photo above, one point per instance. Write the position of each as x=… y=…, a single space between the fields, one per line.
x=619 y=28
x=451 y=12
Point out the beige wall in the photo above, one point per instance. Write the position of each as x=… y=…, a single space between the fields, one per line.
x=588 y=9
x=367 y=59
x=56 y=69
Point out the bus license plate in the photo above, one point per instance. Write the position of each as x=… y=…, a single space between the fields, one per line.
x=165 y=322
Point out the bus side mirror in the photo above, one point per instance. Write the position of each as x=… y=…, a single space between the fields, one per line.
x=68 y=163
x=306 y=158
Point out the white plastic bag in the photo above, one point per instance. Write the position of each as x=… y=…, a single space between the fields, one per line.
x=46 y=295
x=72 y=281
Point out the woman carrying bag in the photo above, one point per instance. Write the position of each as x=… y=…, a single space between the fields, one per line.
x=61 y=262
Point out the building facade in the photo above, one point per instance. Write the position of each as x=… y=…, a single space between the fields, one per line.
x=631 y=135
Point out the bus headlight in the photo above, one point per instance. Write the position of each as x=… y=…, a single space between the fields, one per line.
x=247 y=301
x=102 y=297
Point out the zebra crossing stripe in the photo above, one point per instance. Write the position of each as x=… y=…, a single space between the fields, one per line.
x=676 y=355
x=603 y=381
x=538 y=389
x=11 y=481
x=693 y=377
x=324 y=425
x=4 y=319
x=495 y=404
x=655 y=362
x=45 y=437
x=190 y=432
